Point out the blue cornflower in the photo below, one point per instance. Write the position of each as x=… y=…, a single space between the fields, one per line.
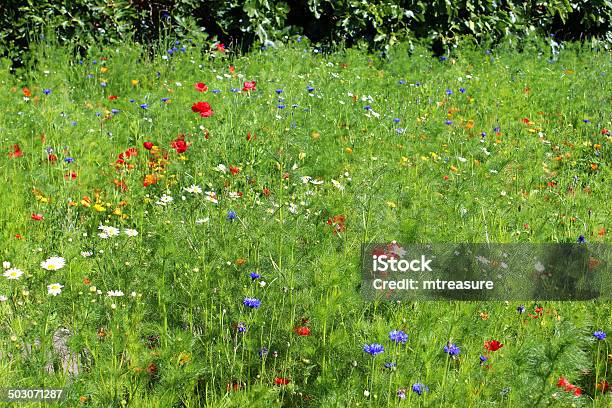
x=310 y=88
x=295 y=105
x=235 y=90
x=115 y=111
x=586 y=121
x=254 y=275
x=165 y=99
x=231 y=215
x=496 y=129
x=599 y=335
x=89 y=76
x=401 y=393
x=399 y=131
x=94 y=62
x=396 y=120
x=483 y=134
x=462 y=90
x=521 y=309
x=443 y=58
x=281 y=106
x=46 y=91
x=367 y=107
x=417 y=83
x=402 y=81
x=390 y=365
x=144 y=106
x=449 y=92
x=279 y=91
x=132 y=100
x=49 y=150
x=448 y=122
x=419 y=388
x=483 y=359
x=263 y=352
x=103 y=84
x=398 y=336
x=183 y=49
x=73 y=123
x=373 y=348
x=69 y=160
x=299 y=39
x=241 y=327
x=217 y=91
x=98 y=114
x=251 y=302
x=581 y=239
x=170 y=51
x=451 y=349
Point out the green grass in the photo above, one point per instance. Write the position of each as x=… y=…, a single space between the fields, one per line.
x=175 y=343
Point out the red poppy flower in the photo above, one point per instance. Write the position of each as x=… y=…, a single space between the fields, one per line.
x=563 y=382
x=220 y=47
x=232 y=69
x=249 y=86
x=234 y=170
x=37 y=217
x=203 y=108
x=526 y=120
x=493 y=345
x=112 y=97
x=26 y=92
x=266 y=191
x=180 y=145
x=250 y=136
x=16 y=152
x=302 y=331
x=281 y=381
x=148 y=145
x=131 y=152
x=604 y=131
x=201 y=87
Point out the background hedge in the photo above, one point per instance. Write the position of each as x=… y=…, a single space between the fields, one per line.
x=377 y=23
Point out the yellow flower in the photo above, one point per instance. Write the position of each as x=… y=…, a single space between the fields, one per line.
x=104 y=70
x=134 y=82
x=348 y=150
x=99 y=208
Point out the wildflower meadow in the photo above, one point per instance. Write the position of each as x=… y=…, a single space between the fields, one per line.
x=182 y=226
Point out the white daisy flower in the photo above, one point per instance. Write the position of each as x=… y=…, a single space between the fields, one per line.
x=337 y=185
x=3 y=298
x=305 y=179
x=317 y=182
x=13 y=273
x=201 y=221
x=165 y=200
x=54 y=263
x=86 y=254
x=114 y=293
x=6 y=264
x=221 y=168
x=108 y=231
x=212 y=197
x=234 y=195
x=194 y=189
x=130 y=232
x=54 y=289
